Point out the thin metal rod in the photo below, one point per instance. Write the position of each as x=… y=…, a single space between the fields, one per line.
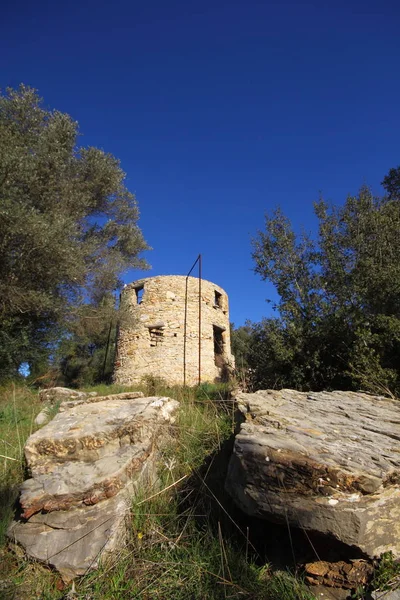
x=194 y=264
x=184 y=334
x=199 y=319
x=107 y=346
x=198 y=259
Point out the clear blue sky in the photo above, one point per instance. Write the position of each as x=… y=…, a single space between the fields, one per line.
x=219 y=111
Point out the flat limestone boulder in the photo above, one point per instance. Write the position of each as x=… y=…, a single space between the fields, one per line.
x=90 y=431
x=386 y=594
x=52 y=396
x=327 y=462
x=74 y=541
x=86 y=466
x=79 y=483
x=88 y=399
x=58 y=394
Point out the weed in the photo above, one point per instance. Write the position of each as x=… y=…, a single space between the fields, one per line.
x=387 y=572
x=283 y=585
x=386 y=577
x=18 y=408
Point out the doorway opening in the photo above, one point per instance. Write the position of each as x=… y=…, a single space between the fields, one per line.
x=218 y=333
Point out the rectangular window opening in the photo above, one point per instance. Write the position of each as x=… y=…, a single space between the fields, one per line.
x=139 y=294
x=218 y=345
x=156 y=336
x=217 y=299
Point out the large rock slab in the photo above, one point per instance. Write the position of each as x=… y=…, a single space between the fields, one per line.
x=74 y=541
x=386 y=594
x=90 y=431
x=70 y=403
x=86 y=465
x=58 y=394
x=82 y=483
x=326 y=462
x=67 y=398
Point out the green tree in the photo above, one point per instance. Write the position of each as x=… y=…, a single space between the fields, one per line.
x=68 y=227
x=339 y=323
x=86 y=355
x=241 y=340
x=391 y=183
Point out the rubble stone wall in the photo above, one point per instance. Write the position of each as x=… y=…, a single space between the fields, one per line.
x=151 y=336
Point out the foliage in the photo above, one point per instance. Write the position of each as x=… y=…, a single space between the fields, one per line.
x=339 y=308
x=87 y=354
x=242 y=340
x=68 y=227
x=213 y=391
x=387 y=573
x=283 y=586
x=391 y=183
x=386 y=577
x=18 y=409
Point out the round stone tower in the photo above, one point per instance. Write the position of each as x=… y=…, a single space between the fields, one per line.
x=174 y=327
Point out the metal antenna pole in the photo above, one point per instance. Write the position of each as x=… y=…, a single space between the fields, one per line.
x=107 y=346
x=198 y=260
x=199 y=319
x=184 y=333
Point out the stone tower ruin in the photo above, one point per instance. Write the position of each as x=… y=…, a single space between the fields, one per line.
x=159 y=333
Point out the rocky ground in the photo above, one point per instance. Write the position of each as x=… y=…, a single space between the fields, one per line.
x=325 y=464
x=86 y=465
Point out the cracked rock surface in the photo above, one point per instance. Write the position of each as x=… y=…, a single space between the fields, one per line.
x=86 y=465
x=326 y=462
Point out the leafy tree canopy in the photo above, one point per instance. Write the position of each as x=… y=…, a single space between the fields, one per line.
x=391 y=183
x=68 y=225
x=339 y=323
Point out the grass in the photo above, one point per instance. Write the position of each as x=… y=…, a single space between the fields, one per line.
x=18 y=409
x=387 y=573
x=179 y=545
x=386 y=577
x=156 y=386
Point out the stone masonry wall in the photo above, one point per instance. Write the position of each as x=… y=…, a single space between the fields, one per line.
x=151 y=339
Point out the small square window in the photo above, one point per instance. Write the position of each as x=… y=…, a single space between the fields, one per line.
x=217 y=299
x=156 y=336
